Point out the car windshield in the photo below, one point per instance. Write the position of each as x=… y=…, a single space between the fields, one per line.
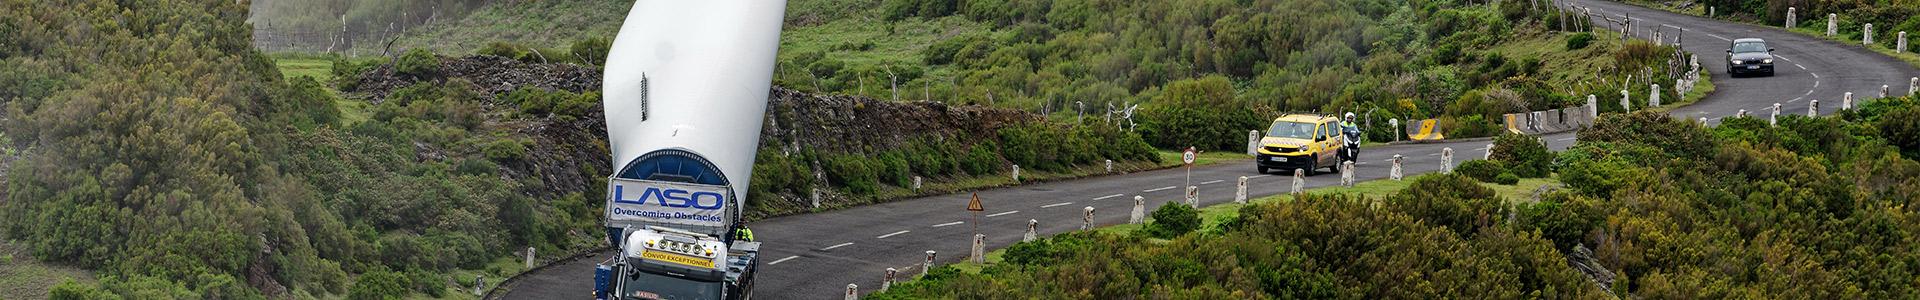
x=1287 y=129
x=1749 y=47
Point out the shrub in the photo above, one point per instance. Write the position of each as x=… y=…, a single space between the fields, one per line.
x=592 y=51
x=1901 y=128
x=854 y=172
x=503 y=49
x=1507 y=179
x=379 y=285
x=418 y=63
x=71 y=290
x=1561 y=217
x=1173 y=219
x=1524 y=155
x=981 y=159
x=893 y=168
x=1482 y=170
x=1579 y=41
x=506 y=150
x=1199 y=113
x=1448 y=200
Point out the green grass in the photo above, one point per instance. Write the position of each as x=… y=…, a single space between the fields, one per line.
x=1216 y=214
x=22 y=277
x=544 y=24
x=319 y=69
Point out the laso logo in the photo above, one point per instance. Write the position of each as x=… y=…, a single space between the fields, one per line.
x=672 y=197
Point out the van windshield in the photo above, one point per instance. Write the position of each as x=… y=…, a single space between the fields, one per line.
x=1286 y=129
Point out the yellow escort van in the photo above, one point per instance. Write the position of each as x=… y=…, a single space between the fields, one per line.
x=1299 y=141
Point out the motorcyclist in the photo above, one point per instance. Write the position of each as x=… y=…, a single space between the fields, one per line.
x=1352 y=132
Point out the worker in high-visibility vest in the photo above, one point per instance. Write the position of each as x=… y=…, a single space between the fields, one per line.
x=744 y=234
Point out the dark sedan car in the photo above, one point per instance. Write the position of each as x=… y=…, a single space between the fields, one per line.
x=1749 y=56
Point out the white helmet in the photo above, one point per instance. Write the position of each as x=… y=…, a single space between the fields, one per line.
x=1349 y=116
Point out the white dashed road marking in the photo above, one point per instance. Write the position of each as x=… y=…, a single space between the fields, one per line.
x=1108 y=197
x=837 y=246
x=1566 y=139
x=1212 y=181
x=1258 y=176
x=1158 y=189
x=948 y=224
x=1055 y=205
x=892 y=234
x=778 y=261
x=1004 y=213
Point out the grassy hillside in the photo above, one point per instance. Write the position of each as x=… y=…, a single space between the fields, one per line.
x=1464 y=62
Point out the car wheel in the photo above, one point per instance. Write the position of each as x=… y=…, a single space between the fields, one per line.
x=1263 y=170
x=1312 y=168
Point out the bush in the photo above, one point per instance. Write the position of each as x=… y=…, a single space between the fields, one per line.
x=506 y=150
x=1199 y=113
x=1172 y=220
x=71 y=290
x=503 y=49
x=854 y=172
x=418 y=63
x=892 y=167
x=1525 y=155
x=592 y=51
x=1507 y=179
x=981 y=160
x=1901 y=128
x=1449 y=200
x=1482 y=170
x=379 y=285
x=1579 y=40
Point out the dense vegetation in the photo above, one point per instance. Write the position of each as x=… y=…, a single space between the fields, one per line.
x=1206 y=71
x=160 y=150
x=1812 y=208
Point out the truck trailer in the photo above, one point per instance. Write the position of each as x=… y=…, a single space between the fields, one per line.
x=685 y=92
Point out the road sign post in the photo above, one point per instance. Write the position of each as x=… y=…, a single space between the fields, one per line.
x=1188 y=157
x=974 y=207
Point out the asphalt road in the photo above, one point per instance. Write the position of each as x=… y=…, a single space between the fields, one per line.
x=814 y=256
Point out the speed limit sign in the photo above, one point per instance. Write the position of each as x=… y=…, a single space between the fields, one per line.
x=1188 y=156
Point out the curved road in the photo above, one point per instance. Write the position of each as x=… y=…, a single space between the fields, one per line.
x=814 y=256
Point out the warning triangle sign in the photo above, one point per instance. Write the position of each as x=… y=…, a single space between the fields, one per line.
x=975 y=204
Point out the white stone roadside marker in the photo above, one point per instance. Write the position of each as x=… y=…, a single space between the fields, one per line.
x=1016 y=174
x=1253 y=142
x=1913 y=86
x=1109 y=166
x=1397 y=173
x=1299 y=181
x=1774 y=119
x=1653 y=96
x=1240 y=196
x=1139 y=211
x=1791 y=17
x=1885 y=91
x=1087 y=223
x=888 y=281
x=1900 y=45
x=1866 y=35
x=1813 y=108
x=1033 y=228
x=916 y=187
x=1346 y=174
x=1626 y=101
x=928 y=265
x=853 y=291
x=1833 y=24
x=1446 y=160
x=529 y=257
x=1489 y=152
x=979 y=255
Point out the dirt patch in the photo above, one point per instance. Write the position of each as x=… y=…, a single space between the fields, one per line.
x=493 y=74
x=22 y=277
